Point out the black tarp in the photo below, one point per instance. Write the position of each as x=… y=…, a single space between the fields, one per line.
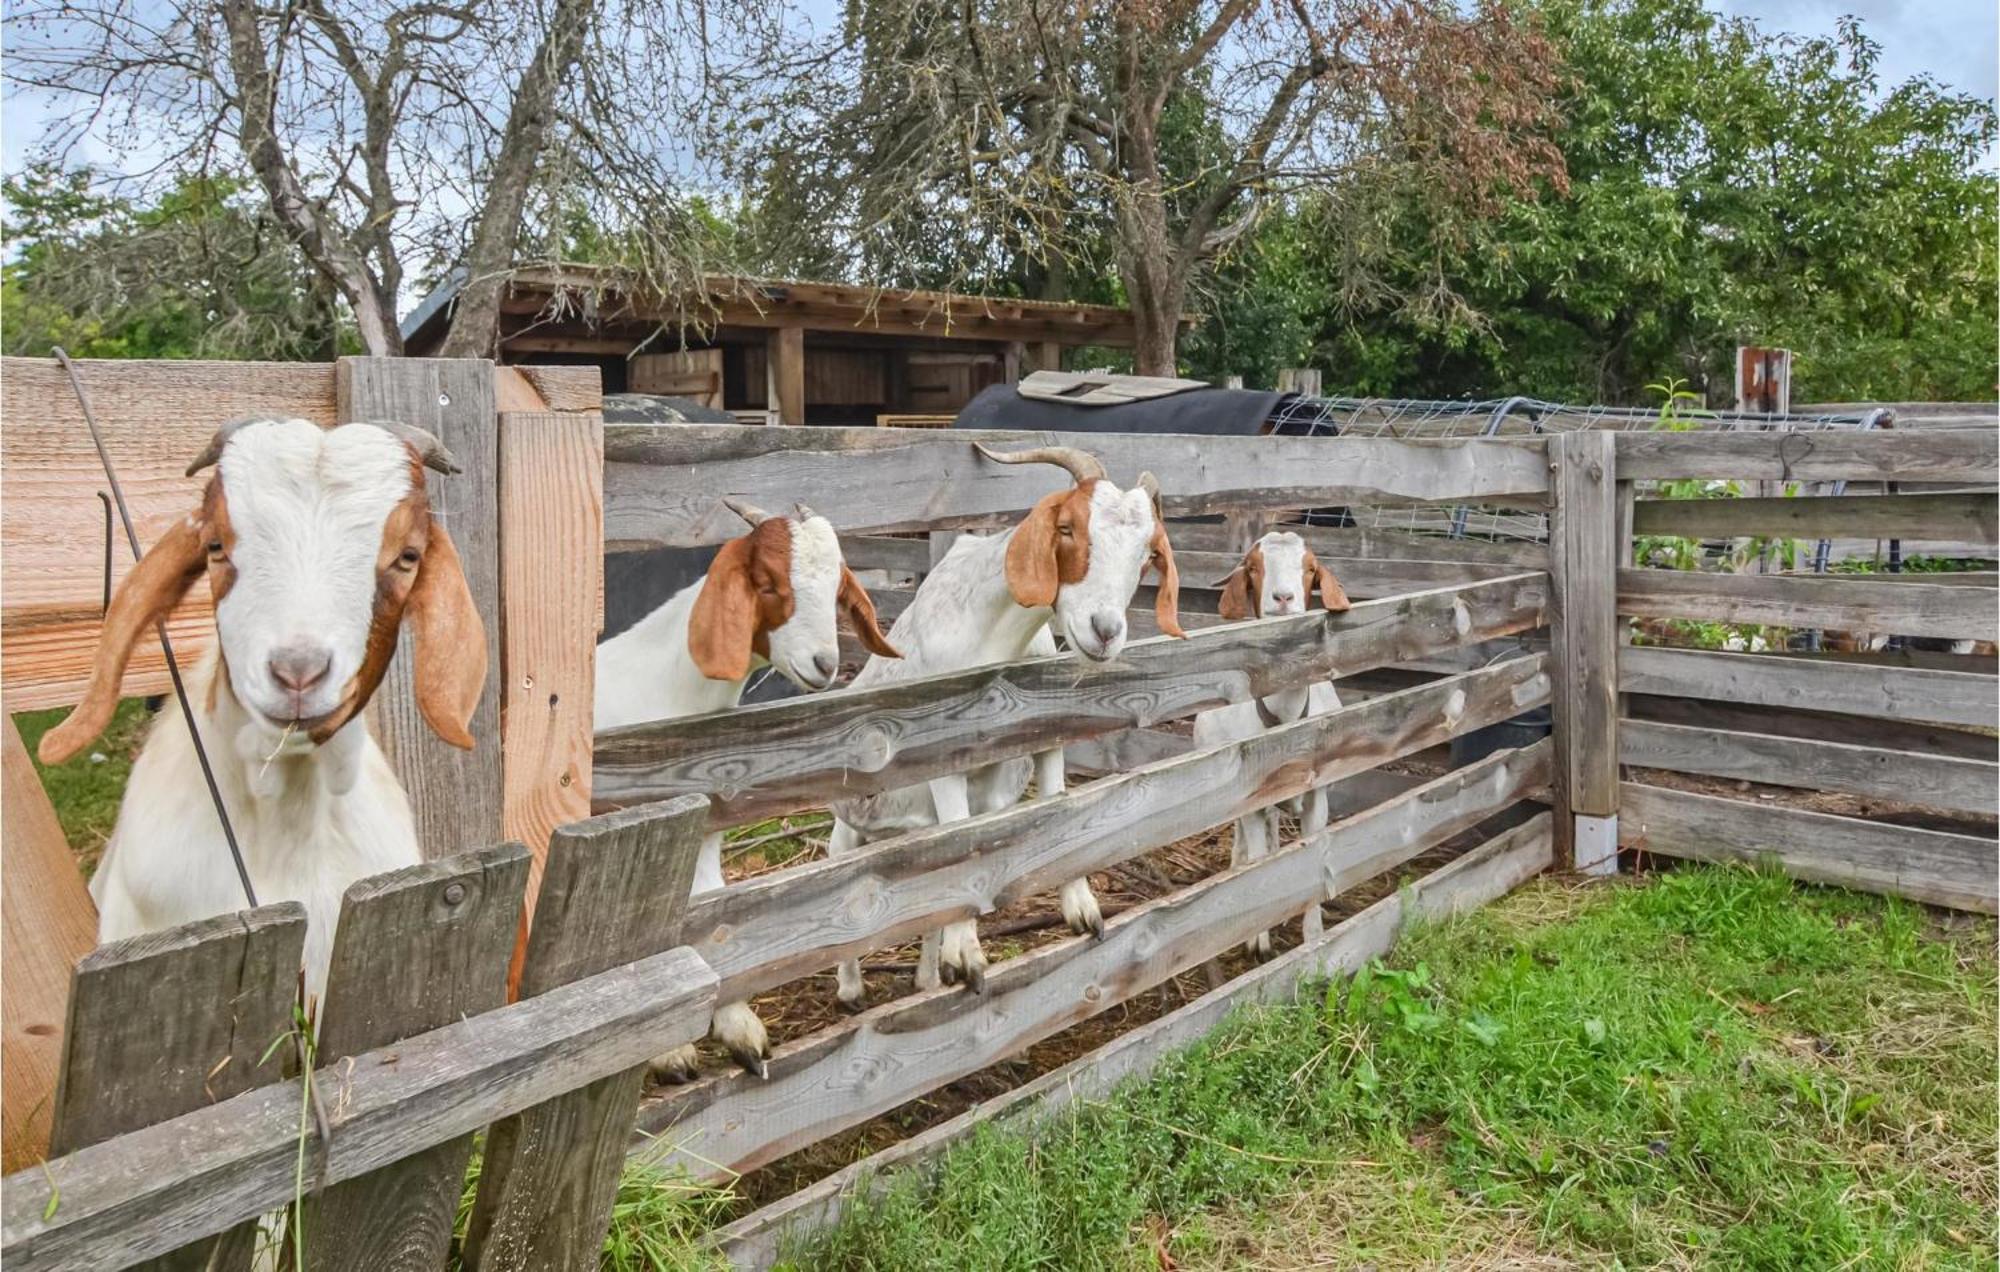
x=1224 y=412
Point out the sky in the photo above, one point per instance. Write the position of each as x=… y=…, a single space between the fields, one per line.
x=1955 y=41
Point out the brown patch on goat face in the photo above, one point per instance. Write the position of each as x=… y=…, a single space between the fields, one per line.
x=1243 y=590
x=1051 y=546
x=1331 y=594
x=746 y=597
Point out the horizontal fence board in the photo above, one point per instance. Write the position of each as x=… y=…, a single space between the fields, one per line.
x=767 y=931
x=1383 y=545
x=1360 y=577
x=661 y=484
x=1967 y=457
x=1959 y=871
x=845 y=1075
x=759 y=761
x=1817 y=726
x=1967 y=518
x=1898 y=693
x=1481 y=876
x=150 y=1191
x=1839 y=603
x=1934 y=781
x=882 y=552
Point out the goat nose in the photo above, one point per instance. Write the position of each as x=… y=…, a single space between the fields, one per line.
x=1106 y=626
x=1283 y=598
x=298 y=668
x=826 y=665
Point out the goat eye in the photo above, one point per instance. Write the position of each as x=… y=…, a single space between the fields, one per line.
x=1065 y=531
x=215 y=547
x=409 y=558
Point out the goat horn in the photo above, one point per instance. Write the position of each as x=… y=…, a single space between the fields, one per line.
x=1151 y=485
x=805 y=513
x=745 y=509
x=430 y=451
x=212 y=452
x=1082 y=465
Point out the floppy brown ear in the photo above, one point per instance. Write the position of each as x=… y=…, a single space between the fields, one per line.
x=447 y=640
x=1237 y=602
x=724 y=620
x=1031 y=555
x=1167 y=602
x=854 y=598
x=1331 y=594
x=145 y=596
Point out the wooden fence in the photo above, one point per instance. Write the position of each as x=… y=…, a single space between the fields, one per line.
x=177 y=1125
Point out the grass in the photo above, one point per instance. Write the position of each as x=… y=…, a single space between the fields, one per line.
x=86 y=789
x=1715 y=1069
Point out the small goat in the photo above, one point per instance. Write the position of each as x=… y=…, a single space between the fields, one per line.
x=1274 y=579
x=317 y=545
x=1074 y=563
x=769 y=599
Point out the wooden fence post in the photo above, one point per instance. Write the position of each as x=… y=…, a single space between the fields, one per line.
x=456 y=795
x=416 y=949
x=1584 y=624
x=614 y=891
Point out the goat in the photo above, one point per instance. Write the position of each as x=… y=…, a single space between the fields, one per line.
x=1274 y=579
x=317 y=545
x=768 y=599
x=1073 y=563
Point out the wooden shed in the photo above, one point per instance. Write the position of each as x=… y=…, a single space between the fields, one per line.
x=792 y=352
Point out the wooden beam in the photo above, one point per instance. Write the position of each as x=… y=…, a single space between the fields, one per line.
x=1966 y=518
x=1823 y=726
x=859 y=1069
x=456 y=795
x=1934 y=781
x=1389 y=545
x=1897 y=693
x=147 y=1192
x=1857 y=604
x=1971 y=456
x=757 y=761
x=870 y=480
x=1958 y=871
x=785 y=372
x=1583 y=542
x=1481 y=876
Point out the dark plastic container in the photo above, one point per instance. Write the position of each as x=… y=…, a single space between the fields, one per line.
x=1525 y=729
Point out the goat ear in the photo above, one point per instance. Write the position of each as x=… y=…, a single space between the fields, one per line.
x=448 y=641
x=723 y=622
x=1331 y=594
x=1237 y=602
x=861 y=613
x=1031 y=555
x=145 y=596
x=1167 y=602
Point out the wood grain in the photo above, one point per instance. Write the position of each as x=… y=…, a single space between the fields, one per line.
x=1935 y=781
x=152 y=1190
x=1970 y=518
x=1374 y=544
x=1896 y=693
x=47 y=923
x=1958 y=871
x=851 y=1072
x=870 y=480
x=1582 y=565
x=551 y=576
x=1842 y=603
x=614 y=892
x=456 y=795
x=767 y=931
x=1816 y=726
x=156 y=416
x=416 y=949
x=758 y=761
x=1486 y=873
x=1969 y=457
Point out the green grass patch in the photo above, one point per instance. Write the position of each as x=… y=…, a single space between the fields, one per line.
x=86 y=789
x=1715 y=1068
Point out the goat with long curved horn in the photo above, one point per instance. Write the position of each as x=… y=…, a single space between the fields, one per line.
x=428 y=448
x=212 y=453
x=1081 y=465
x=745 y=509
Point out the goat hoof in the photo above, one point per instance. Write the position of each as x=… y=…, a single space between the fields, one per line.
x=1096 y=926
x=677 y=1067
x=975 y=978
x=1261 y=947
x=757 y=1066
x=852 y=1006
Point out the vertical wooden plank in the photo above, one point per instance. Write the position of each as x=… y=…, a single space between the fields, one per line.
x=786 y=369
x=417 y=949
x=1011 y=360
x=169 y=1022
x=455 y=794
x=1582 y=565
x=552 y=572
x=614 y=890
x=47 y=923
x=1048 y=356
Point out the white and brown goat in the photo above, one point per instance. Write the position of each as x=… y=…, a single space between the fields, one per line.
x=1275 y=578
x=318 y=544
x=1072 y=565
x=768 y=599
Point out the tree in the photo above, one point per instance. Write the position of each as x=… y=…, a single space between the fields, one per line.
x=1036 y=128
x=386 y=135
